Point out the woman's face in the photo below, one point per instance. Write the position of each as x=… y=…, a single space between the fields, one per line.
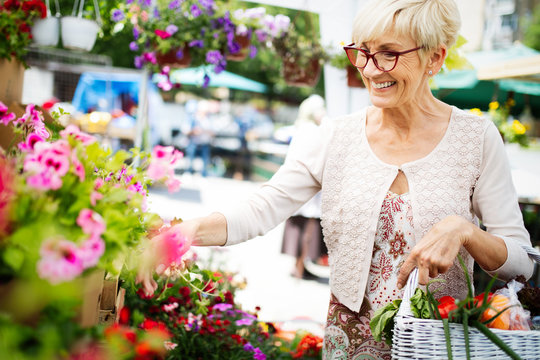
x=400 y=85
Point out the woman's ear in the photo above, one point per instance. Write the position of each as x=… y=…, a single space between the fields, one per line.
x=436 y=60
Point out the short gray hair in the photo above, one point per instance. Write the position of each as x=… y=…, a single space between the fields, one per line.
x=430 y=22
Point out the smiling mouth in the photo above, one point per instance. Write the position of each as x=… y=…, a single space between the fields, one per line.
x=383 y=85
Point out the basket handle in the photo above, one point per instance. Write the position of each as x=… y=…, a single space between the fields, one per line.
x=412 y=283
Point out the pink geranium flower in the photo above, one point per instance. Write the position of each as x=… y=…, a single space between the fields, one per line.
x=5 y=116
x=33 y=119
x=73 y=130
x=162 y=166
x=91 y=250
x=31 y=140
x=91 y=223
x=60 y=261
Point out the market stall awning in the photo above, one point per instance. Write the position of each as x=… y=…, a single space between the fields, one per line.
x=494 y=74
x=195 y=76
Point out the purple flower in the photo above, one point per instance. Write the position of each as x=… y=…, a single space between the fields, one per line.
x=261 y=35
x=171 y=29
x=252 y=51
x=129 y=2
x=244 y=321
x=208 y=4
x=180 y=54
x=222 y=307
x=206 y=81
x=196 y=43
x=117 y=15
x=145 y=2
x=135 y=33
x=195 y=11
x=234 y=47
x=249 y=347
x=138 y=61
x=133 y=46
x=174 y=4
x=258 y=354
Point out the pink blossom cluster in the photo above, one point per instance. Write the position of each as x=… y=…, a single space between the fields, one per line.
x=169 y=247
x=162 y=166
x=63 y=260
x=48 y=162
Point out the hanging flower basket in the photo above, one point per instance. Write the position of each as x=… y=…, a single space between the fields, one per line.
x=353 y=78
x=171 y=58
x=244 y=41
x=297 y=75
x=45 y=32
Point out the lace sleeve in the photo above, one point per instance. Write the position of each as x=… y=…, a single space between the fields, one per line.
x=496 y=204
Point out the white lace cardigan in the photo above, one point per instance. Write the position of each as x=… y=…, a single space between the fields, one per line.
x=467 y=174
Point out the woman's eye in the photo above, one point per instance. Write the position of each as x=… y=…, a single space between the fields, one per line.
x=389 y=55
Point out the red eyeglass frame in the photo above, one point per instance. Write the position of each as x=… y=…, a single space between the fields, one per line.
x=372 y=56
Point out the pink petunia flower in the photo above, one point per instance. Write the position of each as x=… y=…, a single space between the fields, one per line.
x=91 y=223
x=162 y=164
x=162 y=34
x=60 y=261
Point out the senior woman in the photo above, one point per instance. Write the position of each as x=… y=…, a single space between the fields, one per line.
x=404 y=181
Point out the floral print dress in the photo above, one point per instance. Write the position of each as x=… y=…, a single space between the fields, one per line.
x=347 y=333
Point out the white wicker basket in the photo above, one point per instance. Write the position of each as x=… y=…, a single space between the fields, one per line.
x=424 y=339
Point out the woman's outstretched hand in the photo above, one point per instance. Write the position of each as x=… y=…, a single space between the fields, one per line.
x=435 y=253
x=168 y=246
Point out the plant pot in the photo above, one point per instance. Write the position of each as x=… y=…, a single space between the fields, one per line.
x=170 y=58
x=11 y=86
x=296 y=75
x=353 y=78
x=79 y=33
x=45 y=32
x=244 y=41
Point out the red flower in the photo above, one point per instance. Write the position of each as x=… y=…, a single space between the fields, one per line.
x=35 y=5
x=123 y=318
x=12 y=4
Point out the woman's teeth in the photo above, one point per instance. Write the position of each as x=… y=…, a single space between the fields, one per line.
x=383 y=85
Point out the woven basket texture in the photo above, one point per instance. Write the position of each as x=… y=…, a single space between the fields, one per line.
x=424 y=338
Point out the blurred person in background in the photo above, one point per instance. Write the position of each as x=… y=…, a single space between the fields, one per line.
x=302 y=237
x=199 y=130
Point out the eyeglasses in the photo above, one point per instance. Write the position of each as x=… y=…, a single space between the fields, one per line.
x=384 y=60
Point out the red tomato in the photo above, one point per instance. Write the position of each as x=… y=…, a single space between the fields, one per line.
x=446 y=304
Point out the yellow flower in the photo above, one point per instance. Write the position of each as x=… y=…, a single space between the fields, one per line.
x=518 y=127
x=494 y=105
x=342 y=43
x=476 y=111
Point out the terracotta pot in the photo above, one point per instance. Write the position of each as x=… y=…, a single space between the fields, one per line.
x=296 y=75
x=353 y=78
x=244 y=41
x=170 y=59
x=11 y=86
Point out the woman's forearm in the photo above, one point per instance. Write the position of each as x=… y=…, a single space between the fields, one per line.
x=210 y=230
x=489 y=251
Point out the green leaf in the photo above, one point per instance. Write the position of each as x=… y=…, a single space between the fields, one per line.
x=382 y=321
x=14 y=257
x=447 y=338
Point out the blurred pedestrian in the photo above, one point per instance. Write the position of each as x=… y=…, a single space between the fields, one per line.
x=200 y=133
x=302 y=237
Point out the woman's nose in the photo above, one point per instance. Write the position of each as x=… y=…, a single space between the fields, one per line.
x=370 y=69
